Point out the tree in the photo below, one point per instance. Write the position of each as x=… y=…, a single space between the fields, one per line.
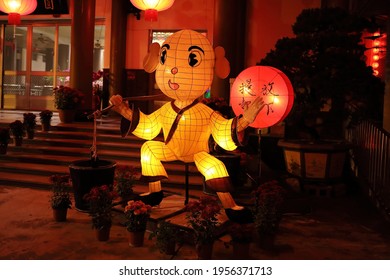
x=333 y=86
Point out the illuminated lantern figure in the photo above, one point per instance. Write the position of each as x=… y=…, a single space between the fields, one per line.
x=268 y=82
x=184 y=67
x=16 y=8
x=152 y=7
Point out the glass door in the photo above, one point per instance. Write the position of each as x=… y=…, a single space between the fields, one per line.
x=36 y=59
x=15 y=67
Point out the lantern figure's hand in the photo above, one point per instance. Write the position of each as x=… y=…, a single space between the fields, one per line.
x=116 y=100
x=253 y=109
x=121 y=107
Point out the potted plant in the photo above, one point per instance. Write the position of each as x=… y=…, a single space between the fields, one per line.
x=167 y=236
x=125 y=176
x=334 y=88
x=241 y=239
x=67 y=100
x=60 y=198
x=269 y=198
x=4 y=140
x=137 y=215
x=17 y=131
x=202 y=218
x=45 y=117
x=29 y=123
x=100 y=201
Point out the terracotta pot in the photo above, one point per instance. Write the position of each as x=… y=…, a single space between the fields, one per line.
x=30 y=133
x=46 y=126
x=103 y=234
x=18 y=141
x=136 y=238
x=266 y=241
x=59 y=215
x=241 y=250
x=66 y=116
x=3 y=149
x=169 y=248
x=205 y=251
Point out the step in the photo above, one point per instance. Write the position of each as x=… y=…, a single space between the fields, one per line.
x=42 y=180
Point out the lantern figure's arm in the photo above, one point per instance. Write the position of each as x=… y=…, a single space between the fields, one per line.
x=121 y=107
x=250 y=113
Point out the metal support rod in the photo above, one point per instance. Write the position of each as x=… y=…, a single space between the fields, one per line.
x=187 y=185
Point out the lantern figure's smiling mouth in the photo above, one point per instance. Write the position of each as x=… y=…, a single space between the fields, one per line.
x=173 y=86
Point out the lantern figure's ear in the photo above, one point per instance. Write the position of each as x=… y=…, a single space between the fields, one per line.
x=222 y=66
x=152 y=58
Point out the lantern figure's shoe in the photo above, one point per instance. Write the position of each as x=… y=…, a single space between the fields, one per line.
x=243 y=216
x=152 y=199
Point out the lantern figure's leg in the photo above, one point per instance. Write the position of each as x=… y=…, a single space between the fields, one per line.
x=217 y=179
x=152 y=153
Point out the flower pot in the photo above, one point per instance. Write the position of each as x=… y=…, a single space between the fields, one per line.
x=241 y=250
x=46 y=125
x=169 y=248
x=3 y=149
x=18 y=141
x=67 y=115
x=205 y=250
x=266 y=241
x=103 y=234
x=30 y=133
x=59 y=215
x=136 y=238
x=85 y=176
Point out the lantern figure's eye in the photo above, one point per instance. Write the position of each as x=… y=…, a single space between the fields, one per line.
x=163 y=55
x=194 y=58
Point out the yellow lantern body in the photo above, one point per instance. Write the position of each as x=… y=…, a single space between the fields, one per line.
x=184 y=71
x=16 y=8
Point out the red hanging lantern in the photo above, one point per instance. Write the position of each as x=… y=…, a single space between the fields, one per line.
x=17 y=8
x=152 y=7
x=268 y=82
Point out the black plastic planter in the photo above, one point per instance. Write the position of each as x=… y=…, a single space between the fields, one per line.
x=85 y=177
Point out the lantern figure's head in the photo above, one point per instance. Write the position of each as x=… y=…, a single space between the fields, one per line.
x=185 y=65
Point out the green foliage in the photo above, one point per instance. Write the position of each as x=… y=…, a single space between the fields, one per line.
x=269 y=198
x=29 y=121
x=325 y=63
x=67 y=98
x=125 y=176
x=165 y=234
x=100 y=205
x=60 y=197
x=202 y=218
x=17 y=129
x=45 y=115
x=137 y=214
x=241 y=233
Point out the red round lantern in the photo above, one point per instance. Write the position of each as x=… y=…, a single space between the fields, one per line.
x=268 y=82
x=152 y=7
x=16 y=8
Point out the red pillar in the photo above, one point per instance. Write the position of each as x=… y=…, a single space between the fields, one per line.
x=82 y=39
x=118 y=47
x=229 y=33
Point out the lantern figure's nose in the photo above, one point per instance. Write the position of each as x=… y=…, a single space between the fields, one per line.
x=174 y=70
